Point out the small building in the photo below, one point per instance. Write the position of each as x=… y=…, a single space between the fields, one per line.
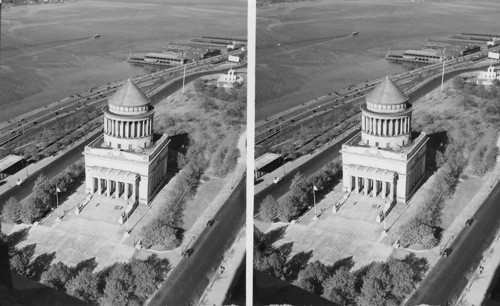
x=229 y=80
x=266 y=163
x=487 y=77
x=234 y=58
x=386 y=159
x=210 y=53
x=494 y=55
x=166 y=58
x=10 y=164
x=129 y=160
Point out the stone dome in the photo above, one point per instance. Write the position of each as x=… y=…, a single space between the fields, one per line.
x=129 y=95
x=387 y=98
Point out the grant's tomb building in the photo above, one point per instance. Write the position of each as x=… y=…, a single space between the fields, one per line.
x=385 y=159
x=128 y=161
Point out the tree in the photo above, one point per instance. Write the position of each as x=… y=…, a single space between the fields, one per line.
x=157 y=232
x=85 y=286
x=19 y=262
x=313 y=277
x=146 y=278
x=29 y=212
x=269 y=209
x=376 y=289
x=119 y=285
x=12 y=210
x=57 y=276
x=340 y=287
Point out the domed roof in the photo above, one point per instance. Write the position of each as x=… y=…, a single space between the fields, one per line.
x=387 y=93
x=129 y=95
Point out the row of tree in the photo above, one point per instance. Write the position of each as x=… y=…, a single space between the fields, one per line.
x=43 y=197
x=166 y=228
x=300 y=195
x=379 y=283
x=119 y=284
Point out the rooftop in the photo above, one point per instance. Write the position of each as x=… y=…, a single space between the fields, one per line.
x=129 y=95
x=387 y=93
x=9 y=161
x=415 y=139
x=265 y=159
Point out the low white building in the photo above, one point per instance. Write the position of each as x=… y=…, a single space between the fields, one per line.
x=229 y=80
x=487 y=77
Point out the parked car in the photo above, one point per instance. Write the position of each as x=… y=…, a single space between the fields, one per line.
x=469 y=222
x=447 y=252
x=210 y=222
x=188 y=252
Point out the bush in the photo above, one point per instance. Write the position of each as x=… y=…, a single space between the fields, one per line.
x=12 y=210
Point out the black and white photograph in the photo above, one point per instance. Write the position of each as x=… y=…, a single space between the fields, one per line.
x=376 y=144
x=123 y=152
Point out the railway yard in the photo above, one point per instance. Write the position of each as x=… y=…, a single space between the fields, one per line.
x=275 y=131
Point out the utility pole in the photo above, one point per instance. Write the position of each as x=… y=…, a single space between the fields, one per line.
x=314 y=202
x=442 y=76
x=184 y=80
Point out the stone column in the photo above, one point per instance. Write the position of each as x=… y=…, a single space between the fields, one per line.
x=357 y=184
x=350 y=183
x=99 y=186
x=384 y=189
x=391 y=122
x=386 y=128
x=144 y=128
x=404 y=125
x=363 y=123
x=108 y=188
x=374 y=194
x=134 y=187
x=366 y=186
x=125 y=194
x=391 y=195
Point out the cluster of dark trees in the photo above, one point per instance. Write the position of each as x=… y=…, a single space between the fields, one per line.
x=224 y=160
x=379 y=283
x=120 y=284
x=478 y=90
x=300 y=196
x=230 y=103
x=471 y=136
x=166 y=228
x=43 y=197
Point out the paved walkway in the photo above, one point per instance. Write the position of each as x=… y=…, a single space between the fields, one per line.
x=216 y=291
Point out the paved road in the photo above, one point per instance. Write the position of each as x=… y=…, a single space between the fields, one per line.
x=446 y=280
x=308 y=168
x=53 y=169
x=188 y=279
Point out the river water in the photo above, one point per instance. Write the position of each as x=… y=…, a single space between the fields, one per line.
x=306 y=50
x=46 y=51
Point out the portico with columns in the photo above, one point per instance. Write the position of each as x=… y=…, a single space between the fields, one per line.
x=385 y=159
x=129 y=161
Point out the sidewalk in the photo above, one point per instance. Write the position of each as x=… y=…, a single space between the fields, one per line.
x=10 y=181
x=223 y=278
x=267 y=179
x=475 y=292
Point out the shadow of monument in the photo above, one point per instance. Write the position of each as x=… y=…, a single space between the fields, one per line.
x=437 y=143
x=177 y=147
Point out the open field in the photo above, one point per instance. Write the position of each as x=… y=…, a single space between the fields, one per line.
x=47 y=54
x=317 y=54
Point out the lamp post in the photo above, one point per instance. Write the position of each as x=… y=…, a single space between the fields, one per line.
x=57 y=203
x=314 y=202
